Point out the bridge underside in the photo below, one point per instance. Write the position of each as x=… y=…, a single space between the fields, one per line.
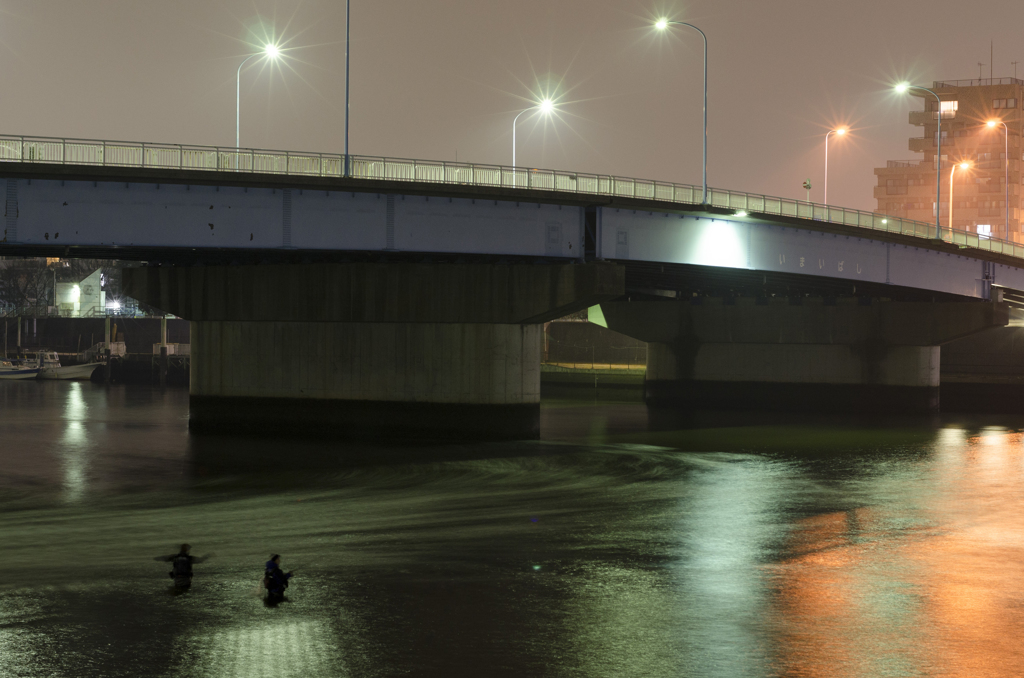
x=810 y=354
x=408 y=350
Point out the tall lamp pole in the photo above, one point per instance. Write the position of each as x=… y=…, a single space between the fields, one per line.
x=963 y=166
x=348 y=37
x=662 y=25
x=270 y=51
x=1006 y=180
x=839 y=132
x=901 y=88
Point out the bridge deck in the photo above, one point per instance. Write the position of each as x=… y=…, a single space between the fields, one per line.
x=177 y=203
x=380 y=173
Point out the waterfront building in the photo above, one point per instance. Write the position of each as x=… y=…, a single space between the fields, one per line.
x=906 y=188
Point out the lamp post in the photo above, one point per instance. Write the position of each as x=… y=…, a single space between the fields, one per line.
x=662 y=25
x=1006 y=171
x=270 y=51
x=545 y=107
x=348 y=36
x=838 y=132
x=901 y=88
x=963 y=166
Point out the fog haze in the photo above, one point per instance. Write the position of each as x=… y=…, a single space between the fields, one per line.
x=439 y=79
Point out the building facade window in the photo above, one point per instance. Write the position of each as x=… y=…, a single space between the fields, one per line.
x=949 y=108
x=1004 y=103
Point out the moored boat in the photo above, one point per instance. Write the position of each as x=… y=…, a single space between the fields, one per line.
x=50 y=368
x=8 y=370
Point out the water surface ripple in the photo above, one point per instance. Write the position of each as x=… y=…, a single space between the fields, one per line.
x=625 y=543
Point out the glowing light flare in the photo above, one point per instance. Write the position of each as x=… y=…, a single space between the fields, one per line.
x=991 y=123
x=841 y=131
x=902 y=88
x=965 y=165
x=546 y=106
x=720 y=243
x=272 y=51
x=662 y=24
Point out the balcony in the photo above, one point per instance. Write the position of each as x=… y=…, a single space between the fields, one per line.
x=992 y=212
x=921 y=117
x=929 y=117
x=921 y=144
x=891 y=164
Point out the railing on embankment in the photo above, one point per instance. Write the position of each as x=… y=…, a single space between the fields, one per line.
x=250 y=160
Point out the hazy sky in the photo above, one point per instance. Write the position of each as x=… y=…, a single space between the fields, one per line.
x=432 y=78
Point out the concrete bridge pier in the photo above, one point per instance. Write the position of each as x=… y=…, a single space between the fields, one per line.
x=843 y=356
x=407 y=350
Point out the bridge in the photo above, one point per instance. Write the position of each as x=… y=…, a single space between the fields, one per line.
x=331 y=291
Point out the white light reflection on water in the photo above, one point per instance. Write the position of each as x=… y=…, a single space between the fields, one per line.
x=726 y=525
x=702 y=613
x=268 y=647
x=75 y=447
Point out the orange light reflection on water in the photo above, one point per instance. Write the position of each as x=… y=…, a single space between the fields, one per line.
x=929 y=584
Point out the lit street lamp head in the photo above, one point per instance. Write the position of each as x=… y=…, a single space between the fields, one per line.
x=965 y=165
x=902 y=87
x=991 y=123
x=662 y=24
x=841 y=131
x=272 y=51
x=546 y=106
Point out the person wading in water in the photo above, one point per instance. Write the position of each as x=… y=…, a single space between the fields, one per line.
x=275 y=580
x=181 y=566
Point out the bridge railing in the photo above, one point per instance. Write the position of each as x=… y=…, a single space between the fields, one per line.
x=250 y=160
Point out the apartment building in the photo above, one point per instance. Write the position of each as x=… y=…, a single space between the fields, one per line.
x=986 y=196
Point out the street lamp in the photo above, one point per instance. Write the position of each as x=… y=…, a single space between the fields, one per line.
x=902 y=88
x=348 y=36
x=963 y=166
x=546 y=107
x=271 y=52
x=662 y=25
x=838 y=132
x=1006 y=180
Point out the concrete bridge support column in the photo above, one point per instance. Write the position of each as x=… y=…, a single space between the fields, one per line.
x=473 y=380
x=843 y=356
x=794 y=377
x=408 y=350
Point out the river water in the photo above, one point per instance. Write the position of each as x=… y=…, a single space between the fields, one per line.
x=621 y=544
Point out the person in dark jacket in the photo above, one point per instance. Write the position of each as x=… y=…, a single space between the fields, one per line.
x=181 y=566
x=275 y=580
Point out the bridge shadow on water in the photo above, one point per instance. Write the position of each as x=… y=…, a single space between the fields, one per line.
x=755 y=431
x=280 y=460
x=579 y=427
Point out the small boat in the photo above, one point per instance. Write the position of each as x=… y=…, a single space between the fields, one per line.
x=8 y=370
x=50 y=368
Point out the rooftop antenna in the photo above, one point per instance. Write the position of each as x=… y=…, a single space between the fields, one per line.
x=1014 y=64
x=991 y=60
x=979 y=69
